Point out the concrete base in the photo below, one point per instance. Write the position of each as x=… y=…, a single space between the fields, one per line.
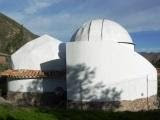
x=58 y=99
x=51 y=99
x=135 y=105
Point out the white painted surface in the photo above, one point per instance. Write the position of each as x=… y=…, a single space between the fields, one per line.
x=34 y=54
x=115 y=67
x=35 y=85
x=102 y=46
x=97 y=30
x=44 y=53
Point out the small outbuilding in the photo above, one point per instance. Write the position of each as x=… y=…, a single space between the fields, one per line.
x=38 y=72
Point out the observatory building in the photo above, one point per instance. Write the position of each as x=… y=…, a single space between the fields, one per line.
x=98 y=65
x=110 y=69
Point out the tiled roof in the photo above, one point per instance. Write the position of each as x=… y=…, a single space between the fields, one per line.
x=22 y=73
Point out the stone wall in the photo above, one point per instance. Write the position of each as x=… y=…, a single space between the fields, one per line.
x=58 y=99
x=135 y=105
x=51 y=99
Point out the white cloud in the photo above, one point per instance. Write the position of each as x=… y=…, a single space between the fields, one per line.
x=146 y=20
x=58 y=25
x=17 y=16
x=64 y=24
x=35 y=5
x=66 y=21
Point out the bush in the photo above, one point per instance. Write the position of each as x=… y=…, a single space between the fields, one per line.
x=30 y=113
x=4 y=67
x=16 y=113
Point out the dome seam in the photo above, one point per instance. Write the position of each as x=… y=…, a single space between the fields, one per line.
x=89 y=29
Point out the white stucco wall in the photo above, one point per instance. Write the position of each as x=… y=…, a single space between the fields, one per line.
x=115 y=66
x=35 y=85
x=39 y=51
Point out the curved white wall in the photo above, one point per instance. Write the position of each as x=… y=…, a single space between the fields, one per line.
x=35 y=85
x=116 y=69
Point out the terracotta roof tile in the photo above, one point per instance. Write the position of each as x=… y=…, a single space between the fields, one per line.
x=22 y=73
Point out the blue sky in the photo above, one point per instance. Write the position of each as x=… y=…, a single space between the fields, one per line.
x=60 y=18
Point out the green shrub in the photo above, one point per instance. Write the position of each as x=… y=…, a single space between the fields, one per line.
x=31 y=113
x=4 y=67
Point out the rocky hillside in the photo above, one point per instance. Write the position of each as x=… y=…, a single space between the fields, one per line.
x=154 y=58
x=12 y=35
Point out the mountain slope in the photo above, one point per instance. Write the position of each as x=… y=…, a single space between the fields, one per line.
x=154 y=58
x=12 y=35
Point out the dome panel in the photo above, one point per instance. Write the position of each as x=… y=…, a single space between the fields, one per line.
x=102 y=29
x=113 y=31
x=95 y=30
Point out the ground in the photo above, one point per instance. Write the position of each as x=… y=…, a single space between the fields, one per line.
x=8 y=112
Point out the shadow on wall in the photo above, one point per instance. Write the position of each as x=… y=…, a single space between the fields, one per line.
x=82 y=93
x=3 y=87
x=56 y=84
x=158 y=92
x=57 y=64
x=54 y=98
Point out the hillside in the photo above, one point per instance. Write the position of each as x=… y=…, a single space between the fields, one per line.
x=12 y=35
x=154 y=58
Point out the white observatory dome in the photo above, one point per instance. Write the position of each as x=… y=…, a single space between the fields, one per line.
x=102 y=29
x=106 y=49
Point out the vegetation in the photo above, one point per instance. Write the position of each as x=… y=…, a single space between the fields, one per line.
x=6 y=65
x=3 y=67
x=30 y=113
x=156 y=63
x=154 y=58
x=12 y=35
x=16 y=41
